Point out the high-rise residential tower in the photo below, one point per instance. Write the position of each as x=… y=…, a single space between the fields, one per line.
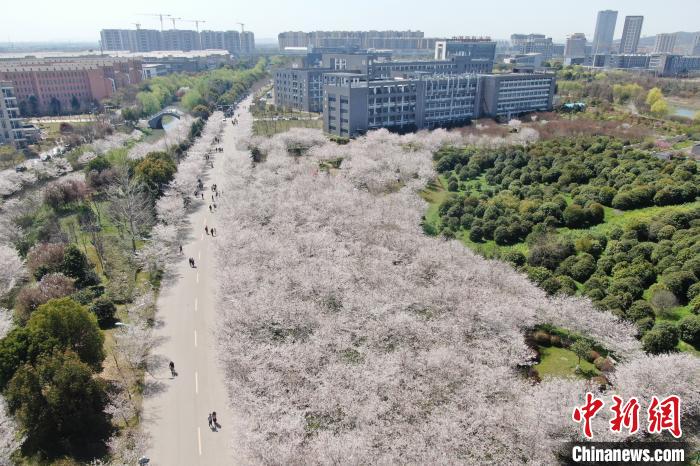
x=604 y=31
x=665 y=43
x=575 y=46
x=696 y=46
x=631 y=33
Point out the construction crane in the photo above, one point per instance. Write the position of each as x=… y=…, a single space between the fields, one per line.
x=196 y=22
x=138 y=25
x=242 y=26
x=173 y=20
x=159 y=15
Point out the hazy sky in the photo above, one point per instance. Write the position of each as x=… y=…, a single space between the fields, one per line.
x=41 y=20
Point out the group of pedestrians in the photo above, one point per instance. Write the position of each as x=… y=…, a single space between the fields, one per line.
x=208 y=230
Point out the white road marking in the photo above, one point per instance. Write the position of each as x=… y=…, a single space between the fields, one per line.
x=196 y=382
x=199 y=440
x=199 y=255
x=198 y=276
x=196 y=302
x=195 y=338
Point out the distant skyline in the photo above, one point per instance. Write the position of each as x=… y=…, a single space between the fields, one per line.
x=82 y=20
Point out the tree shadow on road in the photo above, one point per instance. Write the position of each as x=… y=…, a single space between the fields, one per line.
x=153 y=387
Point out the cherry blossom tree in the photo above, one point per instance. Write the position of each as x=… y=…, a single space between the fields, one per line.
x=130 y=206
x=12 y=268
x=348 y=333
x=10 y=438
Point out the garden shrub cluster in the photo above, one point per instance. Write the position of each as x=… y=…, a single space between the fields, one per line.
x=548 y=199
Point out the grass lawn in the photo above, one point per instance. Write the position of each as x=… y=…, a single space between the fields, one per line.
x=560 y=362
x=614 y=217
x=434 y=194
x=270 y=128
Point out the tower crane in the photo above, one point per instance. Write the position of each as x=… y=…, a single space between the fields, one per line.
x=173 y=19
x=242 y=26
x=196 y=22
x=159 y=15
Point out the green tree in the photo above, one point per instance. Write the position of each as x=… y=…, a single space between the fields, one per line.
x=201 y=111
x=156 y=169
x=149 y=102
x=104 y=309
x=679 y=282
x=76 y=265
x=689 y=330
x=192 y=99
x=14 y=351
x=625 y=92
x=653 y=96
x=63 y=323
x=33 y=105
x=74 y=104
x=581 y=348
x=130 y=114
x=574 y=216
x=55 y=106
x=60 y=404
x=660 y=339
x=660 y=108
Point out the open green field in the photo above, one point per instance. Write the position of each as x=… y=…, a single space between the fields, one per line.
x=561 y=362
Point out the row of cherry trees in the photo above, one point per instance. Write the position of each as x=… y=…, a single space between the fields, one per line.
x=134 y=343
x=346 y=333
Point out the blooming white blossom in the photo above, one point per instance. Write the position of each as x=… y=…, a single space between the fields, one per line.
x=10 y=438
x=12 y=269
x=174 y=135
x=115 y=140
x=346 y=333
x=171 y=208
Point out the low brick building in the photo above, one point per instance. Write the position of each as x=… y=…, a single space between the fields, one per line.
x=51 y=85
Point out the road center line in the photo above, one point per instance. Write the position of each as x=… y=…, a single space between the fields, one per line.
x=196 y=382
x=199 y=255
x=196 y=302
x=195 y=338
x=199 y=440
x=197 y=276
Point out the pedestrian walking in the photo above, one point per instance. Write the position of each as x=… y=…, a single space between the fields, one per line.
x=206 y=229
x=181 y=249
x=172 y=369
x=213 y=419
x=213 y=231
x=209 y=419
x=212 y=198
x=202 y=196
x=209 y=207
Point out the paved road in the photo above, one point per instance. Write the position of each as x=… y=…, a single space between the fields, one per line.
x=175 y=416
